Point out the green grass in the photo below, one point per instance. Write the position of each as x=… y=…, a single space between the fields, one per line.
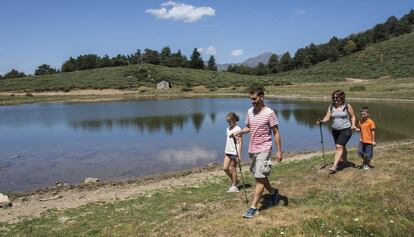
x=351 y=203
x=392 y=58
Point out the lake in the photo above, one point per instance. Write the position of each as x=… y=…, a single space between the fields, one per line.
x=41 y=144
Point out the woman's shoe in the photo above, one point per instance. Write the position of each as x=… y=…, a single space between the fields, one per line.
x=332 y=170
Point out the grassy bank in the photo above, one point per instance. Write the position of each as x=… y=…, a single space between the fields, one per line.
x=381 y=89
x=353 y=202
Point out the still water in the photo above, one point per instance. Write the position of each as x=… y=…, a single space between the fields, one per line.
x=44 y=143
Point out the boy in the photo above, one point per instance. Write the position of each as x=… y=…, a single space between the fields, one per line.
x=367 y=139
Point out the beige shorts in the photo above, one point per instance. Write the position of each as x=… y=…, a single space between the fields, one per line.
x=260 y=164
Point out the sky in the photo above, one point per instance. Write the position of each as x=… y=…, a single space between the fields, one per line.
x=50 y=31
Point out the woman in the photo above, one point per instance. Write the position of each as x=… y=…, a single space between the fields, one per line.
x=343 y=122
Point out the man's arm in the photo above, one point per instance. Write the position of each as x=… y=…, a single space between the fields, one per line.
x=241 y=132
x=278 y=143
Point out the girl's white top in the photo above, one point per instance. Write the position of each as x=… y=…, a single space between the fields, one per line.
x=230 y=147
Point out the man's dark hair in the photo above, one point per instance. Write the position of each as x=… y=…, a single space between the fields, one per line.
x=256 y=89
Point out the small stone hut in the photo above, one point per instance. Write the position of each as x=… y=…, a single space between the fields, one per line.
x=164 y=84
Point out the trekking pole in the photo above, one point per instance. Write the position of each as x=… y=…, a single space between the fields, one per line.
x=241 y=172
x=323 y=148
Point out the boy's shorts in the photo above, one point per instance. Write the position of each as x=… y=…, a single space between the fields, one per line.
x=260 y=164
x=365 y=150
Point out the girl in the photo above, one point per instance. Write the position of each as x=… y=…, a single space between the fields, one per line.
x=343 y=122
x=231 y=158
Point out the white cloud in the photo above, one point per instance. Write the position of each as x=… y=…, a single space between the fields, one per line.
x=201 y=50
x=181 y=12
x=299 y=12
x=236 y=52
x=209 y=51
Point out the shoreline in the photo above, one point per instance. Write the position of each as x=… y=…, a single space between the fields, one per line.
x=31 y=204
x=92 y=96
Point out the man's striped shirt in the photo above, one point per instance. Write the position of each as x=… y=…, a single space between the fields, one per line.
x=260 y=125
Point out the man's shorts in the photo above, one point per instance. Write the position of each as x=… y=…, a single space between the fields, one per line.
x=365 y=150
x=259 y=166
x=341 y=137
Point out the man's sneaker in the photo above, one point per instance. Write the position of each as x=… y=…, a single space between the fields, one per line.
x=251 y=212
x=233 y=189
x=366 y=167
x=273 y=197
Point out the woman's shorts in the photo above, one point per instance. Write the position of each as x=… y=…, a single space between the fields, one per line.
x=341 y=137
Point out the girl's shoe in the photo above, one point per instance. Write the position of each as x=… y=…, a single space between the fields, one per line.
x=332 y=170
x=233 y=189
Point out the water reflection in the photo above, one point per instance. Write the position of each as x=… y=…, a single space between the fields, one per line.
x=150 y=124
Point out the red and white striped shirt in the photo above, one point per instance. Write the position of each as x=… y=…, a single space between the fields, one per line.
x=260 y=129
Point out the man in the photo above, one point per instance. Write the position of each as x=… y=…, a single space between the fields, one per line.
x=261 y=121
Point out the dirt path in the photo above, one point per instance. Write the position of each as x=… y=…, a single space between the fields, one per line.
x=33 y=204
x=356 y=80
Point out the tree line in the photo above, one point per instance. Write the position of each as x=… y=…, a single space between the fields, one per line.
x=333 y=50
x=91 y=61
x=165 y=58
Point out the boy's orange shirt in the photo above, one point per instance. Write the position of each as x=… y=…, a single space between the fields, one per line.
x=366 y=130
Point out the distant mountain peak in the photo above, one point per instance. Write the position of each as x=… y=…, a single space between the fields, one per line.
x=261 y=58
x=251 y=62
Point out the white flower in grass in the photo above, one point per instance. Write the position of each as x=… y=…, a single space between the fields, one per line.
x=391 y=221
x=356 y=219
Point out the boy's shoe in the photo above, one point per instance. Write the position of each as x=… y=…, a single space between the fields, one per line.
x=273 y=197
x=233 y=189
x=366 y=167
x=251 y=212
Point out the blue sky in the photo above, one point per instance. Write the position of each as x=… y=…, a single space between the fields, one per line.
x=50 y=31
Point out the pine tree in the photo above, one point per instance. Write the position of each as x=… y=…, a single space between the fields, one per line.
x=165 y=56
x=273 y=64
x=69 y=65
x=212 y=63
x=196 y=61
x=151 y=56
x=285 y=62
x=261 y=69
x=14 y=74
x=44 y=69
